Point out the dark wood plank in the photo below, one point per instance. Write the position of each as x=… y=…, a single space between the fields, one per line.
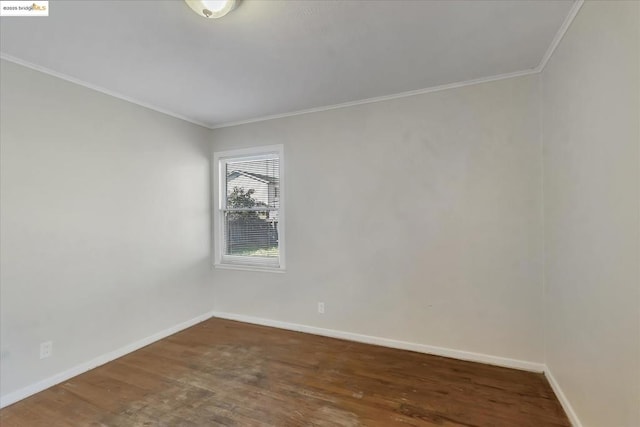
x=225 y=373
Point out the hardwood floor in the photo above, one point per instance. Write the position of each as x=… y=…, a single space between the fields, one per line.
x=229 y=373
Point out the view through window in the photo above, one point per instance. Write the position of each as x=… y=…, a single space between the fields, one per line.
x=250 y=210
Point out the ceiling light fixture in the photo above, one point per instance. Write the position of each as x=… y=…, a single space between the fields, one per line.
x=211 y=8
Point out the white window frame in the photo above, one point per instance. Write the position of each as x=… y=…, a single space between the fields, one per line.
x=236 y=262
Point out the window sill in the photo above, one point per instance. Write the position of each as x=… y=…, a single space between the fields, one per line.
x=249 y=268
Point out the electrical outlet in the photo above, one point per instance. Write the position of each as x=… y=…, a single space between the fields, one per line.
x=46 y=349
x=321 y=307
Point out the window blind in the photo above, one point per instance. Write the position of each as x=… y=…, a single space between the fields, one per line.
x=251 y=209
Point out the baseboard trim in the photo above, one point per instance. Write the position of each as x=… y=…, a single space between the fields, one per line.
x=568 y=409
x=387 y=342
x=32 y=389
x=29 y=390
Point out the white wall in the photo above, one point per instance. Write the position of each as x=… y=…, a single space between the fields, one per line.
x=591 y=134
x=417 y=219
x=104 y=224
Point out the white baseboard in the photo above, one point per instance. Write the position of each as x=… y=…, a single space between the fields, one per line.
x=387 y=342
x=568 y=409
x=29 y=390
x=420 y=348
x=25 y=392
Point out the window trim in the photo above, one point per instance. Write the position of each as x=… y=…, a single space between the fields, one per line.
x=237 y=262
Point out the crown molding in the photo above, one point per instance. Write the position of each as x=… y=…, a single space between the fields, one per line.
x=575 y=8
x=538 y=69
x=560 y=34
x=91 y=86
x=380 y=98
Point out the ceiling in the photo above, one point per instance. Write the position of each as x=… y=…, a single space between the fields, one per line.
x=275 y=57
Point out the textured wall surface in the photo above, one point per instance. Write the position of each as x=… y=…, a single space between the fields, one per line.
x=104 y=224
x=417 y=219
x=591 y=135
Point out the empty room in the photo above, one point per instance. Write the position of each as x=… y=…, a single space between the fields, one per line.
x=320 y=213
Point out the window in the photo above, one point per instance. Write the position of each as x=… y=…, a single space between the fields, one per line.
x=249 y=215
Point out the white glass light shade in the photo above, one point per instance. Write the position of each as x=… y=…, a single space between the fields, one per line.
x=211 y=8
